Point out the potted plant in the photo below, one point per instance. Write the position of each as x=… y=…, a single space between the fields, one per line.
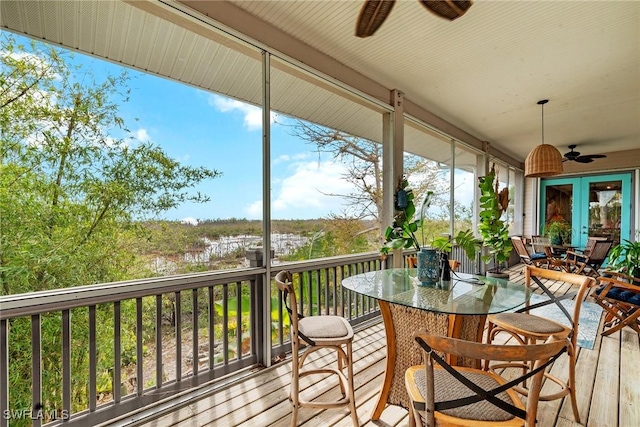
x=493 y=229
x=464 y=238
x=559 y=232
x=402 y=233
x=625 y=258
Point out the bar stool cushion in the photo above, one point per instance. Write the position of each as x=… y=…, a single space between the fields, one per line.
x=324 y=327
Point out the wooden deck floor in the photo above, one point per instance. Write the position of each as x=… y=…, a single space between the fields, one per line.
x=608 y=390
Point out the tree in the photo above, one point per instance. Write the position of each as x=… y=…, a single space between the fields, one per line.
x=72 y=185
x=363 y=159
x=72 y=181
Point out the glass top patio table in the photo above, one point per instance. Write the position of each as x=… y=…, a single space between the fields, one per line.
x=457 y=308
x=465 y=294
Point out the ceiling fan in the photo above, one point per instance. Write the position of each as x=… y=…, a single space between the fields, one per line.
x=374 y=12
x=576 y=157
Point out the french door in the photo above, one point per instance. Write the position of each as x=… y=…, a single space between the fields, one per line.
x=594 y=206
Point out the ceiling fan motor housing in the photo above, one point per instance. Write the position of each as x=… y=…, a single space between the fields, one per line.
x=572 y=155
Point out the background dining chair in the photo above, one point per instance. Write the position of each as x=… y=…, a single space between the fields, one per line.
x=591 y=241
x=468 y=396
x=619 y=296
x=588 y=263
x=528 y=328
x=317 y=332
x=537 y=259
x=542 y=244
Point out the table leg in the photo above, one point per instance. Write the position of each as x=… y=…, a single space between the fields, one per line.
x=400 y=323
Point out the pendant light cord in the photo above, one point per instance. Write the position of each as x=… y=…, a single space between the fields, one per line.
x=543 y=123
x=541 y=103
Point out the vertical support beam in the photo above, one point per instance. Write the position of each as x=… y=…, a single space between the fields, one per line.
x=482 y=166
x=452 y=187
x=36 y=370
x=139 y=348
x=195 y=341
x=211 y=325
x=4 y=371
x=260 y=335
x=518 y=203
x=388 y=176
x=636 y=207
x=392 y=161
x=117 y=352
x=264 y=294
x=176 y=316
x=93 y=359
x=535 y=206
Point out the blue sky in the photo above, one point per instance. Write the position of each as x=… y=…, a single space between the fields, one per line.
x=200 y=128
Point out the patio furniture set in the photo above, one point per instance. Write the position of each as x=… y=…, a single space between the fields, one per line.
x=441 y=365
x=541 y=253
x=618 y=293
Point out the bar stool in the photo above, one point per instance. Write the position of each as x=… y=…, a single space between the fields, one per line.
x=316 y=333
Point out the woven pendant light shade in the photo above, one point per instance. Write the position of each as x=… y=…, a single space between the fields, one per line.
x=544 y=160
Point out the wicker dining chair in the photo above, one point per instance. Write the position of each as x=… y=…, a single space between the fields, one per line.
x=542 y=244
x=441 y=394
x=310 y=334
x=588 y=263
x=528 y=328
x=619 y=296
x=538 y=259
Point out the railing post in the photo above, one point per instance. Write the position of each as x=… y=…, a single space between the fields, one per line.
x=261 y=308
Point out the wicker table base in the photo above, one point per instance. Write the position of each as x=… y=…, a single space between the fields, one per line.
x=400 y=323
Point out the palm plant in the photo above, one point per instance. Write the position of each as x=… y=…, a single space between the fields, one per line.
x=625 y=258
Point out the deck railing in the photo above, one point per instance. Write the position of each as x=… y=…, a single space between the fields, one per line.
x=167 y=335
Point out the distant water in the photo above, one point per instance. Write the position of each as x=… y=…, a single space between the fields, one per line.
x=282 y=244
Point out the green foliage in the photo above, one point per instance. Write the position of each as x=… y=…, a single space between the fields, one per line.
x=333 y=237
x=71 y=190
x=625 y=258
x=464 y=238
x=402 y=233
x=493 y=229
x=559 y=232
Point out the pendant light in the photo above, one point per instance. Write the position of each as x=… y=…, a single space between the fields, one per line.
x=545 y=159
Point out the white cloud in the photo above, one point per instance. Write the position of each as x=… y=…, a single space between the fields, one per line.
x=254 y=210
x=189 y=220
x=252 y=114
x=305 y=193
x=142 y=135
x=287 y=158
